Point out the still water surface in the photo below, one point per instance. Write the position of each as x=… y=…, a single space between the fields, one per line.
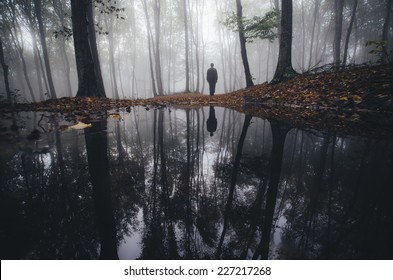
x=207 y=183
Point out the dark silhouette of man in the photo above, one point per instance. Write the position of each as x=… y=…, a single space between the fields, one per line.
x=211 y=121
x=212 y=78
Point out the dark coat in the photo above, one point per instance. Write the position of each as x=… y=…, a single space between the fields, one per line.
x=212 y=76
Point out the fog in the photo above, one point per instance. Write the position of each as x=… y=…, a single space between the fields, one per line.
x=141 y=39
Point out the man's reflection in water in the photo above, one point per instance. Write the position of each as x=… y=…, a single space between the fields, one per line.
x=211 y=122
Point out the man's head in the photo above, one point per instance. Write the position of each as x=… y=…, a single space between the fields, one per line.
x=212 y=64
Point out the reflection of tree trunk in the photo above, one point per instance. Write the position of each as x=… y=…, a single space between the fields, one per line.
x=330 y=195
x=279 y=132
x=256 y=212
x=139 y=151
x=98 y=162
x=236 y=165
x=316 y=189
x=171 y=236
x=155 y=165
x=120 y=149
x=188 y=217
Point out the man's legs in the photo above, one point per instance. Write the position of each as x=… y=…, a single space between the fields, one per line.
x=212 y=88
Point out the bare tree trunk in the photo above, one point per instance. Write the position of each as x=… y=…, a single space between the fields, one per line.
x=284 y=68
x=5 y=71
x=38 y=10
x=93 y=49
x=303 y=37
x=89 y=79
x=385 y=31
x=157 y=56
x=37 y=62
x=355 y=4
x=24 y=68
x=115 y=92
x=59 y=9
x=338 y=22
x=196 y=44
x=133 y=30
x=186 y=47
x=243 y=49
x=149 y=40
x=316 y=9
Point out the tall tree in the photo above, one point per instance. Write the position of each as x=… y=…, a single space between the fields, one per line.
x=98 y=162
x=279 y=133
x=27 y=9
x=284 y=68
x=38 y=10
x=385 y=32
x=89 y=81
x=59 y=7
x=5 y=71
x=93 y=45
x=157 y=52
x=338 y=22
x=355 y=4
x=243 y=50
x=186 y=47
x=150 y=42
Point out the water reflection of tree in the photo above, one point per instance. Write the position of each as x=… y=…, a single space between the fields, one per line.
x=236 y=164
x=127 y=172
x=340 y=210
x=47 y=196
x=159 y=240
x=98 y=162
x=328 y=198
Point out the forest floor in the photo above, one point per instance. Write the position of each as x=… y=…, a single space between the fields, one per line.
x=326 y=97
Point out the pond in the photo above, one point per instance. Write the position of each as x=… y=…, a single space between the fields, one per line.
x=198 y=183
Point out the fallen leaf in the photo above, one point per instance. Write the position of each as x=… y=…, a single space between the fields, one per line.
x=79 y=125
x=115 y=116
x=358 y=99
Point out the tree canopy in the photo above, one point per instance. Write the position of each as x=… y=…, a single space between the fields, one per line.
x=257 y=27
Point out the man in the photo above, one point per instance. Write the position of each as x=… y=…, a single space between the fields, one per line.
x=212 y=78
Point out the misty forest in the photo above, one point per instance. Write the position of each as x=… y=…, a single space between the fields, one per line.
x=185 y=129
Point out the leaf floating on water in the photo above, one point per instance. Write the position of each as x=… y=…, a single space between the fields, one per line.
x=357 y=99
x=79 y=125
x=115 y=116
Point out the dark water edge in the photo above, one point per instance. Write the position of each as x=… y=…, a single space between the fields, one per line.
x=202 y=183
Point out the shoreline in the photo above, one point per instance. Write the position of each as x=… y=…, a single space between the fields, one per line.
x=367 y=88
